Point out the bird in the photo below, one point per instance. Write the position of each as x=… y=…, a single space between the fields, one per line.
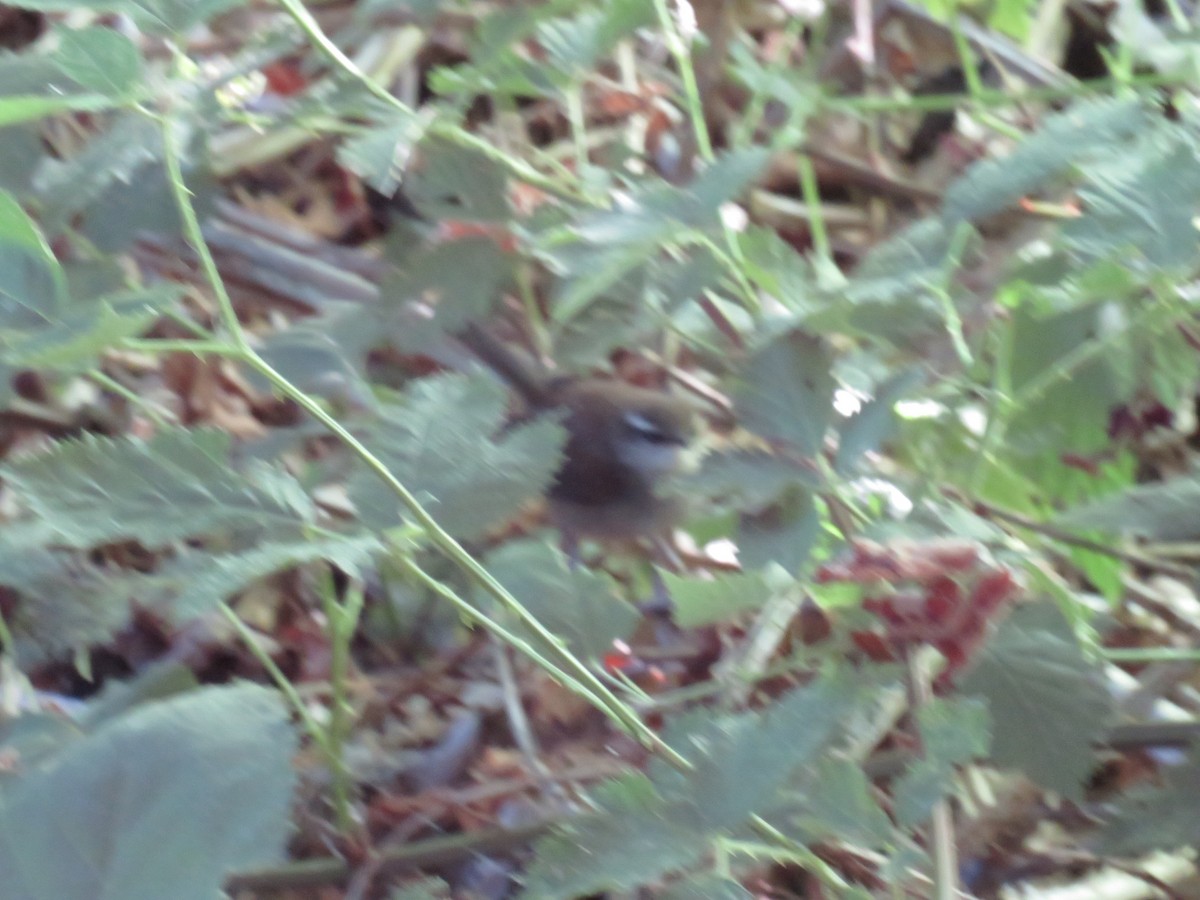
x=624 y=443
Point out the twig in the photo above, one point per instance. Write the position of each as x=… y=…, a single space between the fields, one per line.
x=941 y=820
x=434 y=852
x=988 y=511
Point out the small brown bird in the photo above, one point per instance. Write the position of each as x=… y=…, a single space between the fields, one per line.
x=623 y=442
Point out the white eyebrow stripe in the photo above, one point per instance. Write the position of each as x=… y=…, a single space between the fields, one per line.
x=640 y=423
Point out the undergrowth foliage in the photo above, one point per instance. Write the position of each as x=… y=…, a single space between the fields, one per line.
x=918 y=567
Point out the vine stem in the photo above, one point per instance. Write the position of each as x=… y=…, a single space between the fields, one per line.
x=941 y=820
x=574 y=673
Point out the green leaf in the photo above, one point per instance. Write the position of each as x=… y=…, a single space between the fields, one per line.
x=1160 y=511
x=378 y=154
x=953 y=732
x=424 y=889
x=749 y=479
x=1047 y=701
x=163 y=802
x=207 y=580
x=461 y=279
x=100 y=60
x=629 y=842
x=167 y=18
x=27 y=108
x=649 y=827
x=706 y=886
x=76 y=343
x=487 y=481
x=895 y=292
x=1157 y=818
x=62 y=603
x=32 y=284
x=117 y=156
x=777 y=267
x=460 y=183
x=1142 y=211
x=783 y=533
x=870 y=426
x=316 y=362
x=839 y=804
x=600 y=248
x=698 y=602
x=1066 y=400
x=1086 y=131
x=98 y=490
x=579 y=606
x=785 y=392
x=742 y=761
x=576 y=45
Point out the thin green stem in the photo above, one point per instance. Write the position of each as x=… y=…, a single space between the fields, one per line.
x=966 y=56
x=1152 y=654
x=812 y=199
x=990 y=97
x=312 y=30
x=109 y=383
x=316 y=731
x=7 y=645
x=678 y=48
x=578 y=120
x=342 y=622
x=200 y=348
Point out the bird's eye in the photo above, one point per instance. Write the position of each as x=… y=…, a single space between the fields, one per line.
x=648 y=430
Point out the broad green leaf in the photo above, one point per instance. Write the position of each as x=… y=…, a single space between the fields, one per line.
x=777 y=267
x=631 y=840
x=1084 y=132
x=207 y=579
x=1064 y=373
x=163 y=802
x=1162 y=817
x=74 y=344
x=119 y=155
x=460 y=183
x=423 y=889
x=579 y=606
x=783 y=533
x=1142 y=212
x=750 y=479
x=953 y=732
x=867 y=429
x=21 y=151
x=895 y=292
x=576 y=45
x=839 y=803
x=99 y=490
x=166 y=18
x=159 y=681
x=742 y=761
x=785 y=392
x=1047 y=701
x=461 y=279
x=699 y=602
x=706 y=886
x=17 y=108
x=444 y=444
x=1160 y=511
x=378 y=154
x=61 y=602
x=100 y=60
x=32 y=284
x=315 y=362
